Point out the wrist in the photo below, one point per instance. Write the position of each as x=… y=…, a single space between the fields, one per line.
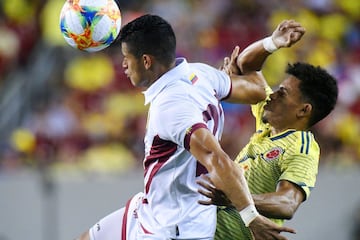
x=269 y=44
x=248 y=214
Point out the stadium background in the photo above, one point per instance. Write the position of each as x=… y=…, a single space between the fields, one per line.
x=71 y=125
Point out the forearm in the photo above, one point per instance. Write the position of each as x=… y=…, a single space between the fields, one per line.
x=232 y=182
x=224 y=173
x=274 y=205
x=229 y=178
x=252 y=57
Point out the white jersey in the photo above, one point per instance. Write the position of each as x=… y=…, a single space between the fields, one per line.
x=182 y=100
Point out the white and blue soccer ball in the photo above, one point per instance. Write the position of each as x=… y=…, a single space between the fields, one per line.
x=90 y=25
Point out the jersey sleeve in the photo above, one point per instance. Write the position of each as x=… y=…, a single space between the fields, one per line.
x=219 y=80
x=300 y=163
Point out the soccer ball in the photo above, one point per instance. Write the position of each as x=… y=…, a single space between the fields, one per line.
x=90 y=25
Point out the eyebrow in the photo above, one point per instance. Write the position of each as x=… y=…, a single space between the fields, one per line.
x=282 y=88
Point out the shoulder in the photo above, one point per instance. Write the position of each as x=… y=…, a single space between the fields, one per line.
x=206 y=69
x=213 y=78
x=304 y=137
x=303 y=142
x=200 y=66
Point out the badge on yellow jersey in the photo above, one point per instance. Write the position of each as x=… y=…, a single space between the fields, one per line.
x=273 y=154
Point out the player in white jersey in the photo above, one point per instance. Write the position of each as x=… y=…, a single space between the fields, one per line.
x=184 y=125
x=170 y=169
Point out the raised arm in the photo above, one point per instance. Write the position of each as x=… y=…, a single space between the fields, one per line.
x=248 y=84
x=286 y=34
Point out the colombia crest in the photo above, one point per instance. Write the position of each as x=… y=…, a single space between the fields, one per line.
x=273 y=154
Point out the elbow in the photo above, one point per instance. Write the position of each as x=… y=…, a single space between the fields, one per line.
x=288 y=212
x=258 y=96
x=284 y=211
x=288 y=215
x=285 y=214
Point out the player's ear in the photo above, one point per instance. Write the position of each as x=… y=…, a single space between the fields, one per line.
x=305 y=110
x=147 y=61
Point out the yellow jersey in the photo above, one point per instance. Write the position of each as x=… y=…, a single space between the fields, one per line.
x=291 y=155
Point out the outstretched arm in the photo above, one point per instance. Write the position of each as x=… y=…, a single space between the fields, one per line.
x=281 y=204
x=228 y=177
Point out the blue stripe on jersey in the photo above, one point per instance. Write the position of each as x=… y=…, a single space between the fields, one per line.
x=282 y=135
x=302 y=184
x=305 y=142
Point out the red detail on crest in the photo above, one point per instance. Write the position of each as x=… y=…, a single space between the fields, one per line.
x=273 y=154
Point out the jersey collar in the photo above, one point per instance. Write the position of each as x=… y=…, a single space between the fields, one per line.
x=178 y=72
x=282 y=135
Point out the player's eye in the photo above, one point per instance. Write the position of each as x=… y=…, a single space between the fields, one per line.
x=282 y=92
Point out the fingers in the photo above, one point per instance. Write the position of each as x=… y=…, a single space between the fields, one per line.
x=204 y=202
x=300 y=29
x=262 y=228
x=286 y=24
x=226 y=60
x=294 y=37
x=273 y=236
x=206 y=184
x=206 y=194
x=278 y=235
x=207 y=179
x=288 y=33
x=207 y=187
x=287 y=229
x=225 y=66
x=235 y=53
x=229 y=65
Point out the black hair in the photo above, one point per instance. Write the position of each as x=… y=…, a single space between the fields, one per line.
x=150 y=34
x=317 y=87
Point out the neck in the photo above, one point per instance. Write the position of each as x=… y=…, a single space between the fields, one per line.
x=275 y=131
x=159 y=70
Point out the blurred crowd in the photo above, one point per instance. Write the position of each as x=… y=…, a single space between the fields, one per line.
x=69 y=110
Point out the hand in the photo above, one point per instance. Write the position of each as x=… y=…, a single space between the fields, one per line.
x=216 y=197
x=262 y=228
x=230 y=66
x=287 y=33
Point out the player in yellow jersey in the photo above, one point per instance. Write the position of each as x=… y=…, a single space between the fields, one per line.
x=281 y=159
